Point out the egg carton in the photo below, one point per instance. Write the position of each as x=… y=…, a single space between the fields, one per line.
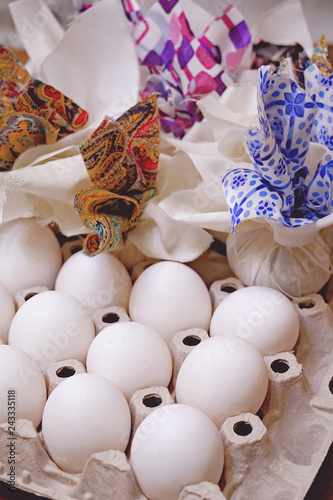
x=275 y=454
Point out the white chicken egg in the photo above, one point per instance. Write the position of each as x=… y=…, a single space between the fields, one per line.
x=98 y=281
x=262 y=316
x=170 y=297
x=132 y=356
x=30 y=255
x=85 y=414
x=223 y=376
x=52 y=326
x=22 y=387
x=174 y=446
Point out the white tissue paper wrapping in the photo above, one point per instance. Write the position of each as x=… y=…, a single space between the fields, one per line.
x=216 y=144
x=265 y=251
x=100 y=72
x=45 y=189
x=285 y=24
x=160 y=236
x=94 y=62
x=39 y=31
x=257 y=259
x=192 y=197
x=294 y=260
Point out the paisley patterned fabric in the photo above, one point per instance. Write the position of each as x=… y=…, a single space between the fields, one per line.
x=121 y=157
x=183 y=67
x=31 y=112
x=287 y=184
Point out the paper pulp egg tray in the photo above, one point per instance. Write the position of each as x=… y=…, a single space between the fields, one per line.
x=273 y=455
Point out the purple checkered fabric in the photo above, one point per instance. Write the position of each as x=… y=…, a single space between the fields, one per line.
x=185 y=67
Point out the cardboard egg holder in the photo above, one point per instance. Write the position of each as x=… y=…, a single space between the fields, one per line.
x=275 y=454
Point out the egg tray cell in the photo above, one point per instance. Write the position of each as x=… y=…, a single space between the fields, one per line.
x=275 y=454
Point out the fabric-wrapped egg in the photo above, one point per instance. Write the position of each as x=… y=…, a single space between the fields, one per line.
x=223 y=377
x=52 y=326
x=84 y=414
x=22 y=387
x=170 y=297
x=30 y=255
x=99 y=281
x=174 y=446
x=132 y=356
x=258 y=257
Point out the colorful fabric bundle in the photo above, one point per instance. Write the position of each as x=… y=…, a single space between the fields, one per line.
x=290 y=183
x=313 y=74
x=285 y=196
x=318 y=81
x=269 y=54
x=185 y=67
x=320 y=57
x=31 y=112
x=121 y=158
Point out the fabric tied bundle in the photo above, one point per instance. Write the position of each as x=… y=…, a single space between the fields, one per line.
x=31 y=112
x=184 y=67
x=290 y=182
x=121 y=158
x=257 y=257
x=288 y=185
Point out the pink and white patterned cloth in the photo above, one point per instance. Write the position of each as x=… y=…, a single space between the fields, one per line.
x=184 y=67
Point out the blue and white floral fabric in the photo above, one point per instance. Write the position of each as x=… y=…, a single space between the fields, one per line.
x=287 y=183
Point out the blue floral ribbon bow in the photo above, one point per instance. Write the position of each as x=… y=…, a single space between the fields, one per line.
x=290 y=181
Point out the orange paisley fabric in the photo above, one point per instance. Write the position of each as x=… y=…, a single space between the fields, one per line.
x=122 y=158
x=31 y=112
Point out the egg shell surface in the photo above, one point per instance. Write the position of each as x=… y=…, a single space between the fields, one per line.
x=30 y=255
x=223 y=377
x=97 y=281
x=170 y=297
x=52 y=326
x=85 y=414
x=19 y=373
x=264 y=317
x=133 y=356
x=174 y=446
